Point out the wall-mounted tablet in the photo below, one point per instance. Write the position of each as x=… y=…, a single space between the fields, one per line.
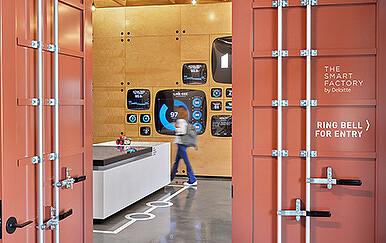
x=194 y=73
x=216 y=105
x=228 y=92
x=131 y=118
x=138 y=99
x=222 y=60
x=145 y=118
x=145 y=131
x=166 y=106
x=216 y=92
x=228 y=105
x=221 y=126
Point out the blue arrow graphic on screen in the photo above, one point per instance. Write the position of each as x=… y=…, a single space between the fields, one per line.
x=164 y=121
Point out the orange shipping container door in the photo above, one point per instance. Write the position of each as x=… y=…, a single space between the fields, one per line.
x=19 y=116
x=347 y=126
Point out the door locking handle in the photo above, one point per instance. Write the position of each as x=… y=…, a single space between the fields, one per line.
x=347 y=182
x=12 y=225
x=65 y=214
x=325 y=214
x=79 y=179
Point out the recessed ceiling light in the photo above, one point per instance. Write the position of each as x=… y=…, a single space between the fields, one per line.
x=194 y=2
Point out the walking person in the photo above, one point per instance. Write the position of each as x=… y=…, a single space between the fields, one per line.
x=186 y=136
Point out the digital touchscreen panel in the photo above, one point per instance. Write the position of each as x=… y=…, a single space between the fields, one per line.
x=167 y=102
x=222 y=60
x=138 y=99
x=221 y=126
x=194 y=73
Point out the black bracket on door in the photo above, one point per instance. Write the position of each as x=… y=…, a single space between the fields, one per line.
x=330 y=181
x=12 y=225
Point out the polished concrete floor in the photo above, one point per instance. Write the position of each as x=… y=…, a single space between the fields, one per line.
x=198 y=214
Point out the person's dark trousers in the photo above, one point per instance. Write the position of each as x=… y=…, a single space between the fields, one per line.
x=181 y=154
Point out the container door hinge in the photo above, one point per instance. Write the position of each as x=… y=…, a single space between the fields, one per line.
x=69 y=181
x=52 y=48
x=330 y=181
x=283 y=53
x=308 y=2
x=302 y=213
x=35 y=101
x=304 y=53
x=312 y=154
x=54 y=156
x=52 y=102
x=283 y=153
x=308 y=103
x=36 y=44
x=37 y=160
x=278 y=3
x=276 y=103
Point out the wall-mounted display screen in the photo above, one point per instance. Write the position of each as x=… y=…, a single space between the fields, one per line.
x=216 y=105
x=221 y=126
x=131 y=118
x=229 y=92
x=216 y=92
x=138 y=99
x=145 y=118
x=194 y=73
x=222 y=60
x=167 y=102
x=228 y=105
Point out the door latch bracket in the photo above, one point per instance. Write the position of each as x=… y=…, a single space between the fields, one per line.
x=330 y=181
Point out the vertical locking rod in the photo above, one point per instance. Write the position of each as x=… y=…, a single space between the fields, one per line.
x=56 y=108
x=39 y=16
x=279 y=119
x=308 y=125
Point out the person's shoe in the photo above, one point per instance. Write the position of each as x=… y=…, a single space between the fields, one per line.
x=186 y=183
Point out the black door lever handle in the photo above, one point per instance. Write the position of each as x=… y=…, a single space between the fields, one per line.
x=348 y=182
x=79 y=179
x=12 y=225
x=319 y=213
x=65 y=214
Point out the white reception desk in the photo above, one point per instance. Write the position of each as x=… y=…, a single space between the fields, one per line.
x=122 y=179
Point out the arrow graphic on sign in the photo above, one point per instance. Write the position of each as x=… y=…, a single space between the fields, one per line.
x=368 y=125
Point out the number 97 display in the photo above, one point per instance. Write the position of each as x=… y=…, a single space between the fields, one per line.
x=167 y=102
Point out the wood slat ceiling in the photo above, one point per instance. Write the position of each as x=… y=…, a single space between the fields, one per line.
x=122 y=3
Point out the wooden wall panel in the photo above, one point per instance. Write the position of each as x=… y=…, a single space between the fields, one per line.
x=206 y=18
x=109 y=22
x=195 y=48
x=153 y=20
x=153 y=61
x=109 y=58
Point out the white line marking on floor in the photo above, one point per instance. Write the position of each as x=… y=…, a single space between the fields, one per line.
x=175 y=194
x=176 y=185
x=117 y=231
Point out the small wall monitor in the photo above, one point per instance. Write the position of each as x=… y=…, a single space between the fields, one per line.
x=221 y=126
x=145 y=118
x=194 y=73
x=222 y=60
x=138 y=99
x=228 y=105
x=216 y=92
x=216 y=105
x=131 y=118
x=167 y=103
x=229 y=92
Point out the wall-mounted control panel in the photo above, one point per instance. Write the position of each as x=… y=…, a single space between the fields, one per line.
x=221 y=125
x=145 y=131
x=228 y=105
x=166 y=109
x=194 y=73
x=145 y=118
x=228 y=92
x=216 y=105
x=138 y=99
x=216 y=92
x=131 y=118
